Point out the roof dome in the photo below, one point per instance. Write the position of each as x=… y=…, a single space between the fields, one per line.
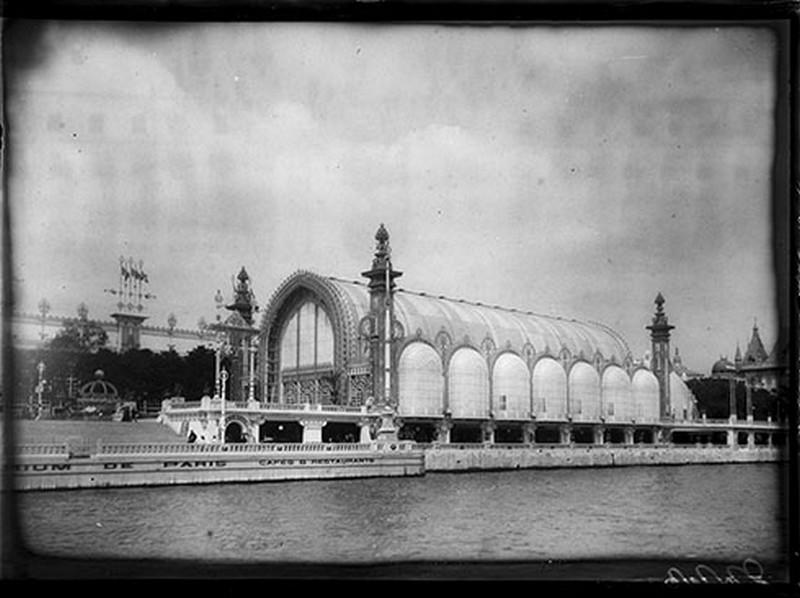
x=723 y=366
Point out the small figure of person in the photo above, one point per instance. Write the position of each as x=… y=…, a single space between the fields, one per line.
x=192 y=436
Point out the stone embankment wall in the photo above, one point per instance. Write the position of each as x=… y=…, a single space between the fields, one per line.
x=476 y=459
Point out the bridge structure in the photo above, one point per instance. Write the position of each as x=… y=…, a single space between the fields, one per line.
x=214 y=420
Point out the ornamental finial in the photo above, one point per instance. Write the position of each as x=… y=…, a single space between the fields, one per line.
x=382 y=249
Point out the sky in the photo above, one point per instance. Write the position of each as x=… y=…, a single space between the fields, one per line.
x=570 y=171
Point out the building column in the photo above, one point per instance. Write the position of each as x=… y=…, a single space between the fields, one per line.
x=565 y=434
x=312 y=429
x=659 y=436
x=751 y=440
x=599 y=434
x=487 y=431
x=629 y=435
x=529 y=433
x=443 y=428
x=769 y=439
x=365 y=433
x=731 y=437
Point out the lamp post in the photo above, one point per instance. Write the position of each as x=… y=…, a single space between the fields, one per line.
x=39 y=389
x=217 y=359
x=44 y=309
x=251 y=391
x=224 y=378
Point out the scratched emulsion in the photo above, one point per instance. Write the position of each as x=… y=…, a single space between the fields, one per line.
x=710 y=511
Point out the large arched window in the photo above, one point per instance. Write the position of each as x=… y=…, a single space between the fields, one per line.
x=617 y=397
x=645 y=396
x=468 y=384
x=549 y=389
x=584 y=392
x=510 y=382
x=307 y=338
x=421 y=384
x=306 y=354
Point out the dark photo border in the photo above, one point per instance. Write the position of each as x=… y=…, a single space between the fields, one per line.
x=603 y=575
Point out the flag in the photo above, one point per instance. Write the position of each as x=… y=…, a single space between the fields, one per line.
x=122 y=269
x=142 y=275
x=132 y=268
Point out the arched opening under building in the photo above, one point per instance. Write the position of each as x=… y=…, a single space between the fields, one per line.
x=509 y=433
x=466 y=433
x=418 y=432
x=340 y=432
x=684 y=438
x=614 y=435
x=583 y=435
x=643 y=436
x=280 y=432
x=547 y=435
x=234 y=433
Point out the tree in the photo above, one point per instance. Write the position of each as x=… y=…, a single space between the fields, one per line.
x=81 y=335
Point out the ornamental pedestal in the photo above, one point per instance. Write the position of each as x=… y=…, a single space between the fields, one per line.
x=312 y=430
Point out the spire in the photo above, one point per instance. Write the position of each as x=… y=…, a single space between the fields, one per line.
x=755 y=353
x=738 y=358
x=383 y=251
x=660 y=325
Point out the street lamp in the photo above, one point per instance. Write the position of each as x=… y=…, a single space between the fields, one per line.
x=39 y=389
x=251 y=395
x=224 y=378
x=44 y=309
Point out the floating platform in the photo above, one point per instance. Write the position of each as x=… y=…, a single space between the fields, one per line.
x=61 y=466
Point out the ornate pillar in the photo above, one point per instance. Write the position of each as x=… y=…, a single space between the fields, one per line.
x=565 y=434
x=660 y=365
x=443 y=428
x=529 y=433
x=629 y=435
x=751 y=440
x=312 y=429
x=487 y=432
x=732 y=437
x=380 y=323
x=599 y=434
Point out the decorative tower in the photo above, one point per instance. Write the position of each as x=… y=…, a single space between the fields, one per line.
x=755 y=353
x=237 y=334
x=380 y=322
x=659 y=334
x=132 y=290
x=243 y=297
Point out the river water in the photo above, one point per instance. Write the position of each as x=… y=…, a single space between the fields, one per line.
x=715 y=512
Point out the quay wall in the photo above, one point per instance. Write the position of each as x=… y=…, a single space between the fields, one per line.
x=51 y=467
x=443 y=458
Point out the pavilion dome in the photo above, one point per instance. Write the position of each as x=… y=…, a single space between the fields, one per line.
x=99 y=388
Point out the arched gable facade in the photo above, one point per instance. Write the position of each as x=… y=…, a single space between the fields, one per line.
x=308 y=334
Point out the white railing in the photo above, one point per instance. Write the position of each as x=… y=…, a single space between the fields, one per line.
x=42 y=449
x=245 y=448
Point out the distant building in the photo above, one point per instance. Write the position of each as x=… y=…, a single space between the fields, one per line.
x=756 y=368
